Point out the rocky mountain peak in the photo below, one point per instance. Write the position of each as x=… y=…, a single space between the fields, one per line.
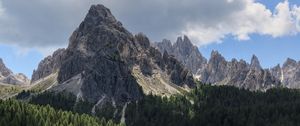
x=143 y=40
x=167 y=42
x=8 y=77
x=243 y=61
x=277 y=72
x=179 y=39
x=289 y=63
x=184 y=51
x=218 y=71
x=105 y=63
x=234 y=60
x=99 y=29
x=183 y=41
x=48 y=65
x=288 y=73
x=216 y=56
x=255 y=63
x=184 y=45
x=187 y=41
x=164 y=45
x=100 y=14
x=4 y=71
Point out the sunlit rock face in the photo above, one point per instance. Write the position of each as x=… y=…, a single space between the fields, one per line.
x=105 y=62
x=217 y=70
x=288 y=73
x=184 y=51
x=8 y=77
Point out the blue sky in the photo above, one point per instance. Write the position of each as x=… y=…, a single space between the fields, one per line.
x=37 y=36
x=18 y=61
x=270 y=51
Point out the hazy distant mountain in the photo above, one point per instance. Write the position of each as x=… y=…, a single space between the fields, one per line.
x=8 y=77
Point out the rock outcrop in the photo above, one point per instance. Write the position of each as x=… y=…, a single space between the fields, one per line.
x=184 y=51
x=106 y=63
x=217 y=70
x=258 y=78
x=288 y=73
x=8 y=77
x=49 y=65
x=237 y=73
x=4 y=71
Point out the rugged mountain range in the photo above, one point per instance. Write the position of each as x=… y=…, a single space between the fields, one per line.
x=218 y=71
x=48 y=66
x=105 y=63
x=288 y=73
x=104 y=60
x=185 y=52
x=8 y=77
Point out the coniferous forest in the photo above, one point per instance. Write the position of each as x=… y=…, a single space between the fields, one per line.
x=15 y=113
x=219 y=106
x=206 y=105
x=114 y=70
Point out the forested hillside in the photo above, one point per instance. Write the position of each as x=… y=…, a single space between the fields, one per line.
x=15 y=113
x=205 y=105
x=219 y=106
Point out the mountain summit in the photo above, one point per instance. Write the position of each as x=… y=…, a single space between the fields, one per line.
x=255 y=63
x=217 y=70
x=184 y=51
x=8 y=77
x=105 y=63
x=288 y=73
x=4 y=71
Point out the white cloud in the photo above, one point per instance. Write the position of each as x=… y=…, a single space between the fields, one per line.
x=1 y=9
x=40 y=24
x=254 y=18
x=47 y=24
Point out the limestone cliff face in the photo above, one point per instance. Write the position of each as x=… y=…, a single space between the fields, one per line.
x=4 y=71
x=105 y=61
x=184 y=51
x=49 y=65
x=258 y=78
x=217 y=70
x=288 y=73
x=8 y=77
x=237 y=73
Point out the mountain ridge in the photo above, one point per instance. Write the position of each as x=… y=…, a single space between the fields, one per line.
x=106 y=64
x=241 y=74
x=184 y=51
x=8 y=77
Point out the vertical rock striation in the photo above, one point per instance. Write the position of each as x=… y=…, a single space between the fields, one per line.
x=106 y=63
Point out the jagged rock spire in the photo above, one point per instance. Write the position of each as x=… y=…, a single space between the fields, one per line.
x=8 y=77
x=216 y=56
x=255 y=63
x=184 y=51
x=104 y=60
x=290 y=62
x=4 y=71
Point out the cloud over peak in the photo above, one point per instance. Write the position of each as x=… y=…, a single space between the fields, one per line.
x=48 y=23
